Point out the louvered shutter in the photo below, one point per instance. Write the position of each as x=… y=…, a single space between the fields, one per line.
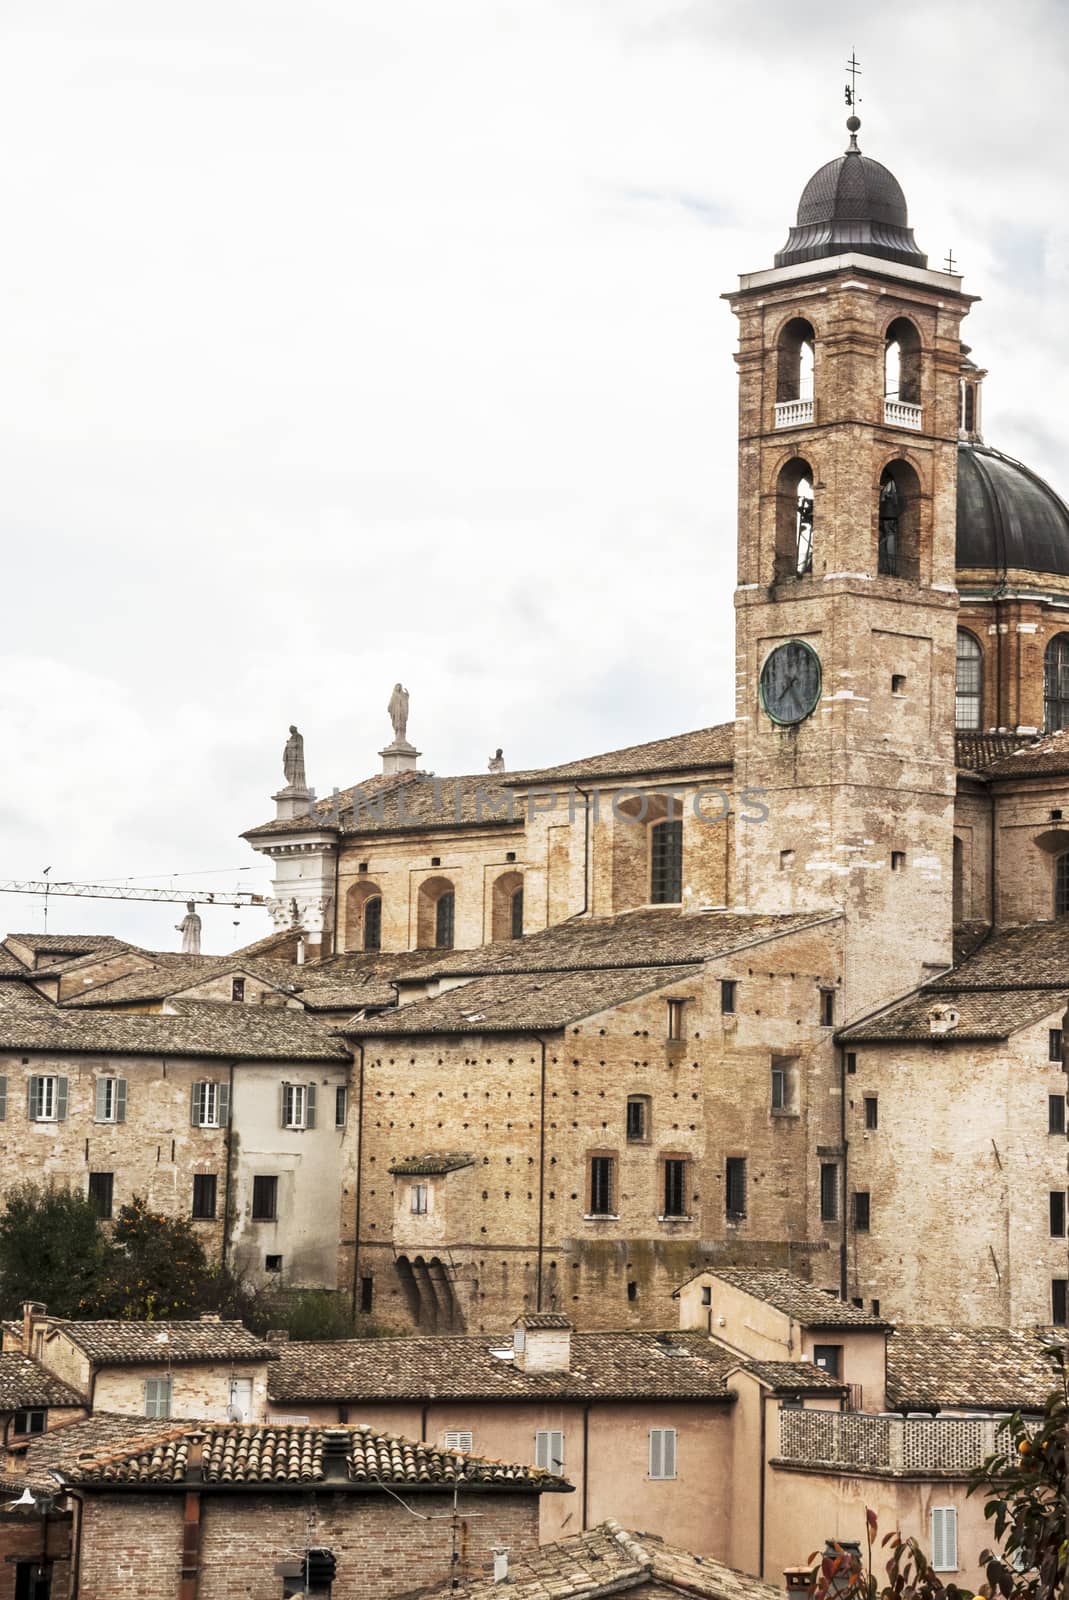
x=195 y=1099
x=310 y=1106
x=945 y=1539
x=3 y=1099
x=33 y=1093
x=656 y=1454
x=224 y=1104
x=549 y=1449
x=61 y=1099
x=101 y=1112
x=120 y=1099
x=669 y=1452
x=283 y=1104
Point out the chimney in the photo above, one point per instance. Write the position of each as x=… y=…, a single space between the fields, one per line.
x=32 y=1311
x=501 y=1563
x=798 y=1582
x=542 y=1342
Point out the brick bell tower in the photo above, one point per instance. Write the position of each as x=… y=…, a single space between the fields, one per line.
x=850 y=369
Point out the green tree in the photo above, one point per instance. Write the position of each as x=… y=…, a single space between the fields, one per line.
x=155 y=1268
x=52 y=1249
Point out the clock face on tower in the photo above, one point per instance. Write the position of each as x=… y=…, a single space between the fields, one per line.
x=790 y=682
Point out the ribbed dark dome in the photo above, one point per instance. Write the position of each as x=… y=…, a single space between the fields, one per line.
x=1007 y=517
x=852 y=204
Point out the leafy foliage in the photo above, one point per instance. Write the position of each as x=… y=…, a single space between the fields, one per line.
x=52 y=1249
x=155 y=1267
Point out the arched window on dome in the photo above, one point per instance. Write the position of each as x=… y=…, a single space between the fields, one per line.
x=1056 y=683
x=1061 y=885
x=794 y=520
x=902 y=363
x=899 y=522
x=794 y=361
x=968 y=682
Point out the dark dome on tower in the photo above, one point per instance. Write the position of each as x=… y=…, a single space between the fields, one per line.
x=1008 y=519
x=852 y=204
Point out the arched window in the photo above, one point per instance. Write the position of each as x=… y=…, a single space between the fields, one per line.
x=902 y=363
x=435 y=914
x=373 y=922
x=968 y=682
x=506 y=911
x=1061 y=885
x=899 y=522
x=666 y=862
x=794 y=364
x=443 y=921
x=1056 y=683
x=794 y=520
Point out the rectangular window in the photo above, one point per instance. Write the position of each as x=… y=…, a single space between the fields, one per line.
x=735 y=1186
x=1056 y=1113
x=1054 y=1045
x=272 y=1263
x=851 y=1062
x=675 y=1188
x=781 y=1087
x=264 y=1199
x=341 y=1105
x=457 y=1439
x=157 y=1397
x=827 y=1008
x=46 y=1098
x=1057 y=1213
x=420 y=1195
x=1059 y=1308
x=861 y=1211
x=29 y=1421
x=638 y=1121
x=237 y=989
x=549 y=1450
x=666 y=863
x=829 y=1358
x=293 y=1105
x=110 y=1104
x=898 y=861
x=829 y=1191
x=662 y=1452
x=727 y=996
x=210 y=1104
x=601 y=1186
x=101 y=1187
x=204 y=1186
x=872 y=1112
x=675 y=1020
x=367 y=1294
x=944 y=1540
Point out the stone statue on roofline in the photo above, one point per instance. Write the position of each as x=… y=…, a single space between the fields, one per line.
x=293 y=761
x=497 y=761
x=189 y=928
x=398 y=709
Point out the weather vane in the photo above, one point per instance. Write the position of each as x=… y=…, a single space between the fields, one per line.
x=853 y=67
x=950 y=263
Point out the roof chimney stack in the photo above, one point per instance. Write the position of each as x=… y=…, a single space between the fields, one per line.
x=542 y=1342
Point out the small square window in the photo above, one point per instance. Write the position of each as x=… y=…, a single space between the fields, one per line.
x=898 y=683
x=829 y=1358
x=264 y=1199
x=272 y=1263
x=872 y=1112
x=786 y=860
x=727 y=996
x=362 y=867
x=510 y=855
x=1054 y=1045
x=436 y=861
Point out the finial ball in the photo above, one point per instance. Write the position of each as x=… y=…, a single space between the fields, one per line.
x=853 y=124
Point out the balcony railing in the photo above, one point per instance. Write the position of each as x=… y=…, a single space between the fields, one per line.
x=900 y=414
x=794 y=413
x=896 y=1444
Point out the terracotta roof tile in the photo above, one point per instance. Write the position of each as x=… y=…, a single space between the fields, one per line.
x=680 y=752
x=207 y=1029
x=979 y=752
x=111 y=1343
x=967 y=1368
x=1043 y=758
x=430 y=1165
x=25 y=1382
x=794 y=1377
x=808 y=1305
x=104 y=1431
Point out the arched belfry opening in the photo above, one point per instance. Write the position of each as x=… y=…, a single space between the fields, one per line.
x=795 y=514
x=902 y=363
x=898 y=538
x=795 y=361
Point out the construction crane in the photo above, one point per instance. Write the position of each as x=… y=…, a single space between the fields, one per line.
x=107 y=891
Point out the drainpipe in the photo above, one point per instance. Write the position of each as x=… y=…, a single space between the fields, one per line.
x=337 y=872
x=541 y=1174
x=841 y=1053
x=359 y=1175
x=76 y=1541
x=226 y=1176
x=190 y=1570
x=586 y=1464
x=761 y=1490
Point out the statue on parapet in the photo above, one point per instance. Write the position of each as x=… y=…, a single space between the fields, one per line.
x=189 y=928
x=398 y=709
x=293 y=761
x=497 y=761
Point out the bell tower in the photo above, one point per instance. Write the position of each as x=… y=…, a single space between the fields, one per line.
x=850 y=374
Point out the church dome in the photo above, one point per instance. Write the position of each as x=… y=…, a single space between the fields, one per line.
x=852 y=204
x=1008 y=518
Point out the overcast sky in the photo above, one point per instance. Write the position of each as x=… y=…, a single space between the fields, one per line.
x=345 y=342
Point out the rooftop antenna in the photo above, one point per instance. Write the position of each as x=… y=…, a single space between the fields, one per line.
x=853 y=100
x=44 y=875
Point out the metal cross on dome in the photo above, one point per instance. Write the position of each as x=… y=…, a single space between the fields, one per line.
x=950 y=263
x=853 y=67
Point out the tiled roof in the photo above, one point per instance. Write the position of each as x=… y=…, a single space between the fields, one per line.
x=1043 y=758
x=651 y=937
x=608 y=1560
x=173 y=974
x=519 y=1002
x=809 y=1306
x=32 y=1463
x=449 y=1366
x=967 y=1368
x=206 y=1029
x=1033 y=957
x=114 y=1343
x=251 y=1454
x=793 y=1377
x=680 y=752
x=24 y=1382
x=978 y=752
x=543 y=1319
x=23 y=999
x=431 y=1165
x=54 y=946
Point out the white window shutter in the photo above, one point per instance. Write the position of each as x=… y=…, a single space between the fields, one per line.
x=196 y=1100
x=656 y=1452
x=61 y=1099
x=101 y=1111
x=945 y=1539
x=310 y=1106
x=3 y=1098
x=669 y=1452
x=33 y=1095
x=120 y=1099
x=224 y=1105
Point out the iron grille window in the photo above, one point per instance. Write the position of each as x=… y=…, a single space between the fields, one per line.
x=1056 y=1113
x=872 y=1111
x=829 y=1191
x=204 y=1186
x=1061 y=885
x=666 y=863
x=264 y=1199
x=373 y=923
x=1057 y=1213
x=1054 y=1044
x=101 y=1193
x=444 y=914
x=968 y=682
x=735 y=1186
x=862 y=1211
x=601 y=1186
x=1056 y=683
x=675 y=1188
x=637 y=1119
x=516 y=915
